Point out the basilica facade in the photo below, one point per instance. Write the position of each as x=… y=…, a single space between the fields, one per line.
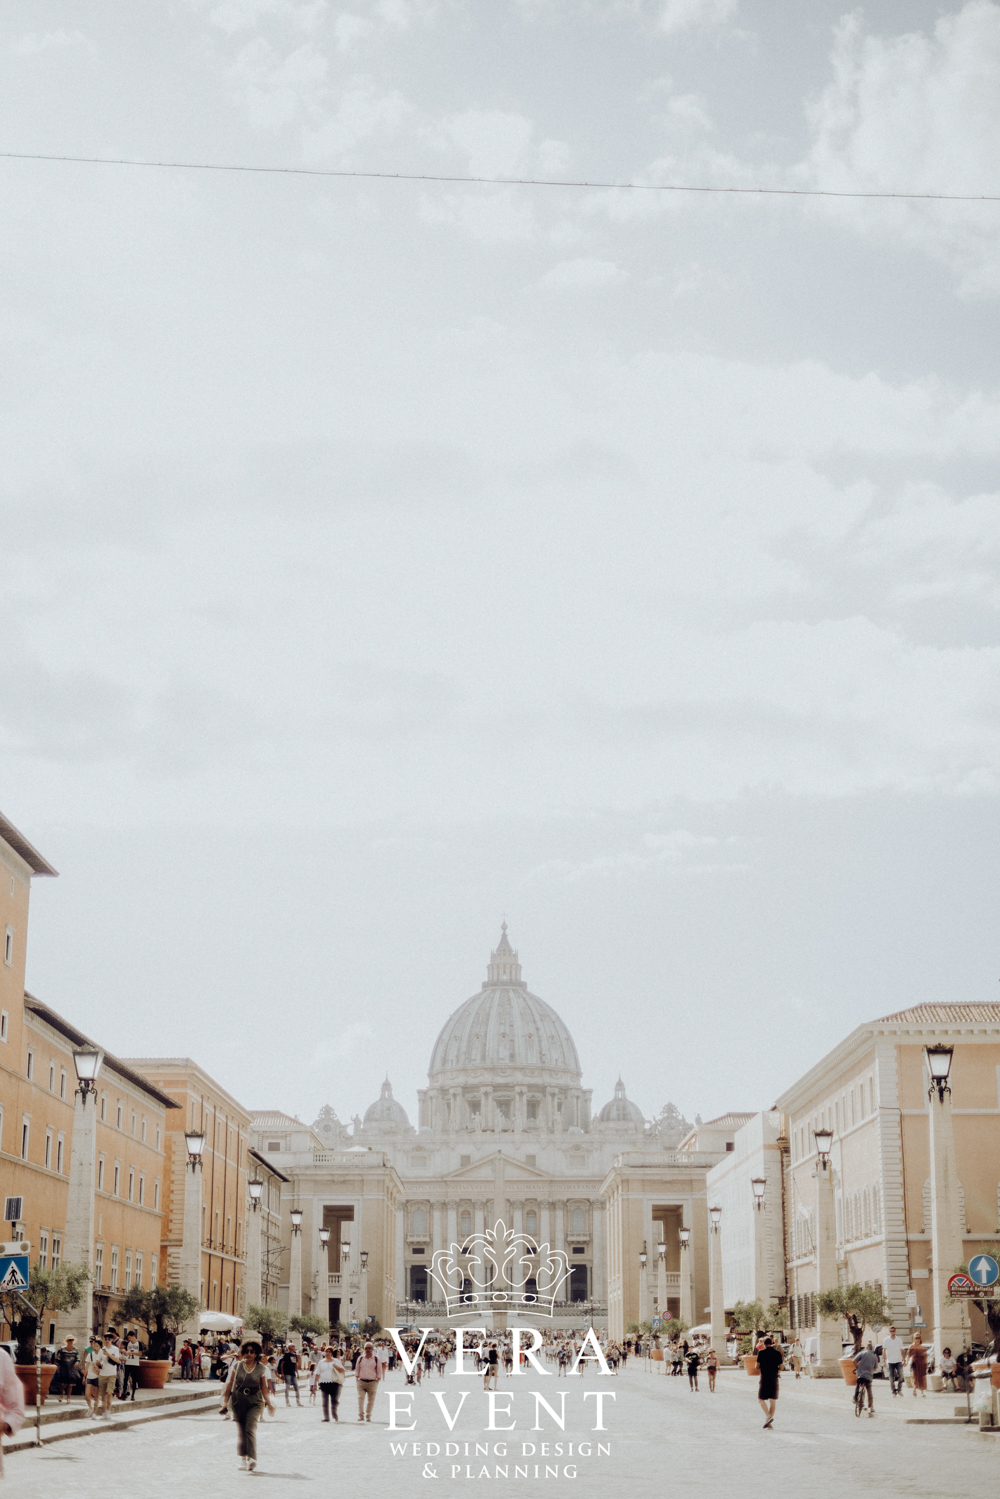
x=505 y=1130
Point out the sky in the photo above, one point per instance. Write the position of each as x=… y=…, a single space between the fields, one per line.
x=382 y=558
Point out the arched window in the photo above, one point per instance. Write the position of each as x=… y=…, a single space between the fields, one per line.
x=531 y=1223
x=466 y=1224
x=578 y=1221
x=419 y=1221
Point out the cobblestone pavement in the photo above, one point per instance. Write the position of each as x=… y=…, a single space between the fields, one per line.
x=660 y=1436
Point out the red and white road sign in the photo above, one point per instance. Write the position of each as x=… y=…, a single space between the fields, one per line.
x=961 y=1285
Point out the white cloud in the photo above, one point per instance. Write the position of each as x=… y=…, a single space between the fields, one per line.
x=362 y=112
x=350 y=30
x=278 y=90
x=917 y=113
x=586 y=273
x=681 y=15
x=244 y=15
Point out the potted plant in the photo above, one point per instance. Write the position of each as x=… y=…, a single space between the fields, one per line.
x=751 y=1318
x=162 y=1310
x=860 y=1307
x=58 y=1290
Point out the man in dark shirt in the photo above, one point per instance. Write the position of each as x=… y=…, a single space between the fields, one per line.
x=769 y=1363
x=865 y=1364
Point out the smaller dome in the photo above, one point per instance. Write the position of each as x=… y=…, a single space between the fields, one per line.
x=386 y=1111
x=620 y=1110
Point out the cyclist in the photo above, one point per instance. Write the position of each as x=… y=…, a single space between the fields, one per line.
x=865 y=1364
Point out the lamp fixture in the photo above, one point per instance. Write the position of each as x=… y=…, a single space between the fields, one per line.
x=685 y=1235
x=87 y=1061
x=759 y=1185
x=345 y=1250
x=824 y=1139
x=939 y=1066
x=716 y=1216
x=194 y=1139
x=256 y=1188
x=364 y=1259
x=296 y=1216
x=324 y=1238
x=661 y=1249
x=642 y=1255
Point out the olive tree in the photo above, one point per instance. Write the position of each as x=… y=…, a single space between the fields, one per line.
x=860 y=1306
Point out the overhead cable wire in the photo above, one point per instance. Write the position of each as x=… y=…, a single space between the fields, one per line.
x=371 y=176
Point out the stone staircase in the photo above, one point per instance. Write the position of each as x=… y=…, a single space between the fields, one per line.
x=61 y=1422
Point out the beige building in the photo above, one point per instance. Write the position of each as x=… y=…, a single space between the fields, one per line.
x=201 y=1104
x=872 y=1092
x=752 y=1237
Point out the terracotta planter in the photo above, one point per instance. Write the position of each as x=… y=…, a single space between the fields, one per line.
x=153 y=1373
x=849 y=1370
x=995 y=1376
x=26 y=1374
x=750 y=1364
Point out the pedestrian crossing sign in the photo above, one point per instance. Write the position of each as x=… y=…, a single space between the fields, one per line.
x=14 y=1272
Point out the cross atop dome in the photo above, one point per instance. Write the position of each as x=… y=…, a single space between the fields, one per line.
x=503 y=965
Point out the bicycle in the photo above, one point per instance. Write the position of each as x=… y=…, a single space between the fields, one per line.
x=859 y=1397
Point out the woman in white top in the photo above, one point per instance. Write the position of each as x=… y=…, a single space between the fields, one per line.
x=330 y=1376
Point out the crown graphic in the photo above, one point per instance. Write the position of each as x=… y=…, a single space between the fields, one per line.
x=500 y=1270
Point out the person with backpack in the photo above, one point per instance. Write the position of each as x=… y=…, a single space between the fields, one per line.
x=367 y=1373
x=288 y=1368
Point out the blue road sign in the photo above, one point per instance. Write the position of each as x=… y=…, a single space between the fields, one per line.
x=984 y=1270
x=657 y=1324
x=354 y=1325
x=14 y=1272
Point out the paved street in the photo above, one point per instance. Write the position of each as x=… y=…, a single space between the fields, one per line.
x=660 y=1436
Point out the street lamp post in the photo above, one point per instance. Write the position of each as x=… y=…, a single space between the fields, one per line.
x=761 y=1279
x=324 y=1273
x=947 y=1248
x=295 y=1265
x=252 y=1235
x=828 y=1328
x=643 y=1286
x=78 y=1239
x=687 y=1277
x=661 y=1280
x=717 y=1312
x=363 y=1257
x=189 y=1267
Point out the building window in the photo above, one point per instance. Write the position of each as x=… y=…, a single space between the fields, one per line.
x=131 y=1184
x=113 y=1279
x=8 y=947
x=138 y=1269
x=4 y=1020
x=156 y=1193
x=62 y=1082
x=100 y=1173
x=25 y=1134
x=119 y=1118
x=99 y=1265
x=142 y=1189
x=104 y=1106
x=60 y=1147
x=152 y=1270
x=128 y=1270
x=229 y=1230
x=30 y=1068
x=273 y=1147
x=419 y=1221
x=143 y=1130
x=531 y=1223
x=532 y=1108
x=215 y=1295
x=52 y=1077
x=578 y=1221
x=118 y=1177
x=56 y=1250
x=48 y=1150
x=133 y=1123
x=43 y=1249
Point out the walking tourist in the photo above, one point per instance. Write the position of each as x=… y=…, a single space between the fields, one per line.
x=492 y=1367
x=107 y=1374
x=247 y=1392
x=288 y=1368
x=712 y=1365
x=67 y=1360
x=131 y=1366
x=893 y=1353
x=366 y=1374
x=917 y=1353
x=865 y=1364
x=769 y=1363
x=91 y=1374
x=11 y=1399
x=693 y=1360
x=797 y=1356
x=330 y=1376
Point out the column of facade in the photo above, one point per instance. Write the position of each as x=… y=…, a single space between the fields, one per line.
x=402 y=1287
x=479 y=1217
x=598 y=1272
x=717 y=1295
x=78 y=1238
x=437 y=1241
x=452 y=1234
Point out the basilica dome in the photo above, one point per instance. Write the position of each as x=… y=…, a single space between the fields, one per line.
x=504 y=1028
x=386 y=1112
x=620 y=1110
